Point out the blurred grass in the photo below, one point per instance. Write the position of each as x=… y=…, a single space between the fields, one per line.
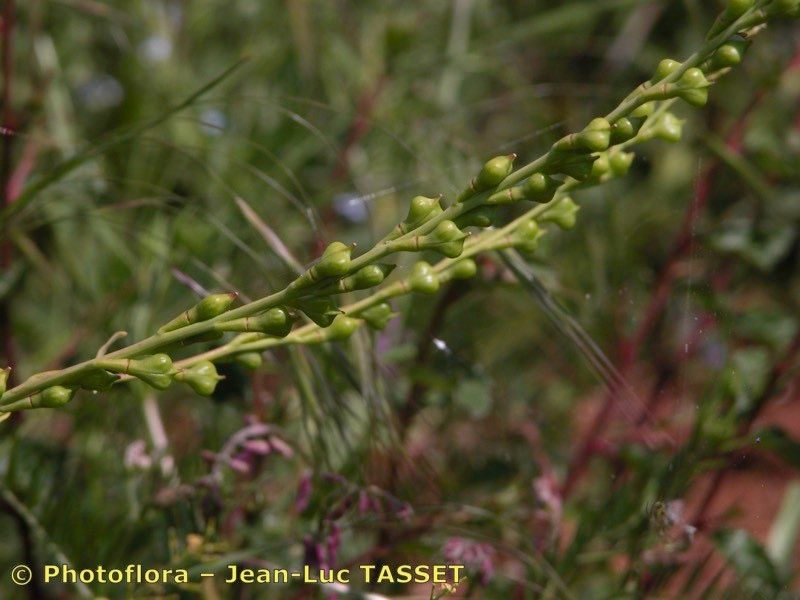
x=341 y=113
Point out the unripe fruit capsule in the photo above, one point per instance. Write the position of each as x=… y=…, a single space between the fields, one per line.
x=463 y=269
x=320 y=309
x=423 y=280
x=52 y=397
x=275 y=322
x=208 y=308
x=491 y=174
x=202 y=377
x=622 y=131
x=665 y=68
x=155 y=370
x=377 y=316
x=526 y=238
x=563 y=213
x=669 y=128
x=249 y=360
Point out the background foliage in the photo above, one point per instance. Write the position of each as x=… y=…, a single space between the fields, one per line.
x=478 y=428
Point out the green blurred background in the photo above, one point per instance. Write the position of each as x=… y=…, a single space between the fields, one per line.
x=461 y=416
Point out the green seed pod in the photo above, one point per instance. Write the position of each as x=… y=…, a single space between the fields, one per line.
x=595 y=137
x=622 y=131
x=463 y=269
x=202 y=377
x=334 y=262
x=483 y=216
x=575 y=165
x=378 y=316
x=643 y=110
x=208 y=308
x=4 y=374
x=366 y=277
x=563 y=214
x=526 y=236
x=495 y=170
x=665 y=68
x=446 y=239
x=249 y=360
x=155 y=370
x=423 y=280
x=341 y=329
x=620 y=162
x=275 y=322
x=98 y=380
x=490 y=176
x=730 y=54
x=421 y=210
x=536 y=188
x=52 y=397
x=693 y=87
x=320 y=309
x=669 y=128
x=600 y=167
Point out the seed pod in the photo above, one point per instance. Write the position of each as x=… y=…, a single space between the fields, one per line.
x=526 y=236
x=730 y=54
x=334 y=262
x=665 y=68
x=463 y=269
x=275 y=322
x=98 y=380
x=600 y=167
x=364 y=278
x=4 y=374
x=320 y=309
x=202 y=377
x=483 y=216
x=423 y=280
x=575 y=165
x=490 y=176
x=643 y=110
x=693 y=87
x=733 y=10
x=341 y=329
x=622 y=131
x=446 y=239
x=155 y=370
x=249 y=360
x=536 y=188
x=669 y=128
x=52 y=397
x=563 y=214
x=378 y=316
x=620 y=162
x=421 y=210
x=208 y=308
x=595 y=137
